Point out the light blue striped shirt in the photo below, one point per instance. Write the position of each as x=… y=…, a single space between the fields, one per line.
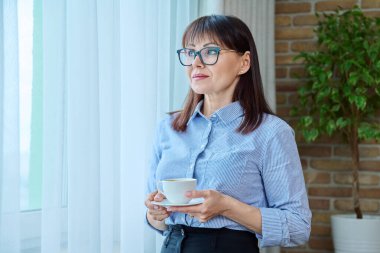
x=261 y=169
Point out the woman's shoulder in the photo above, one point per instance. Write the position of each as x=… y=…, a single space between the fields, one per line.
x=274 y=124
x=167 y=120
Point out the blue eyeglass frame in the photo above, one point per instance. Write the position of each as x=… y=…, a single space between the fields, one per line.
x=218 y=49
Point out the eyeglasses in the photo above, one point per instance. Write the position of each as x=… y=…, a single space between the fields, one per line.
x=207 y=55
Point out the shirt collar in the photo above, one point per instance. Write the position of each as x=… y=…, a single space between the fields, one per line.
x=227 y=113
x=197 y=111
x=230 y=112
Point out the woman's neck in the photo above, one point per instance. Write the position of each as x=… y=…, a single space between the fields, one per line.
x=211 y=105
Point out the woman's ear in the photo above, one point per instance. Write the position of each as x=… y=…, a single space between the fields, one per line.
x=245 y=63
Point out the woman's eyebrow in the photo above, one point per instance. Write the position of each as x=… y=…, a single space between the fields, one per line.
x=210 y=43
x=205 y=45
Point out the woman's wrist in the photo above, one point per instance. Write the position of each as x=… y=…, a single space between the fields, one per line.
x=242 y=213
x=160 y=225
x=227 y=205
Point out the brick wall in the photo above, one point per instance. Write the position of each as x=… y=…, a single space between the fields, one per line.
x=326 y=162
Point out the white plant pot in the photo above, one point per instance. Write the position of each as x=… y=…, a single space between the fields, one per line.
x=351 y=235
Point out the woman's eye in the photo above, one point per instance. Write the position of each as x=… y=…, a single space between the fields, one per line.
x=191 y=53
x=212 y=51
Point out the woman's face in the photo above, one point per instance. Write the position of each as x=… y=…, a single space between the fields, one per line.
x=216 y=81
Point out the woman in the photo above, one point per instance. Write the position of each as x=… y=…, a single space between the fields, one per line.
x=244 y=158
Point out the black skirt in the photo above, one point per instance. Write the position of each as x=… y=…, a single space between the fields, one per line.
x=183 y=239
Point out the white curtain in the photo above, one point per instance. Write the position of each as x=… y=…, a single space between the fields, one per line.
x=9 y=134
x=109 y=74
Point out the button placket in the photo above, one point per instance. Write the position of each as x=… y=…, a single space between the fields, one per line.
x=206 y=138
x=193 y=159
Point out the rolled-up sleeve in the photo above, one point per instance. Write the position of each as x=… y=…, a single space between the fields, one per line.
x=286 y=219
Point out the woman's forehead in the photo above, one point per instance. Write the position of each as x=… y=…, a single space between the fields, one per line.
x=204 y=43
x=202 y=40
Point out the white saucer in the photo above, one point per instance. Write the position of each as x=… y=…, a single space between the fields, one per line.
x=192 y=202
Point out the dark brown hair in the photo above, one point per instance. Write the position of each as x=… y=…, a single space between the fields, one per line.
x=234 y=34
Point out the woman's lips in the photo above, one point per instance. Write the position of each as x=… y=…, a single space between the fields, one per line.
x=198 y=77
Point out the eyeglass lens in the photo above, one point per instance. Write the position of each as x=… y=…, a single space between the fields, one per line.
x=207 y=55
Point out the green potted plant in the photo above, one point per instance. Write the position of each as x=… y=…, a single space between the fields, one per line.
x=342 y=96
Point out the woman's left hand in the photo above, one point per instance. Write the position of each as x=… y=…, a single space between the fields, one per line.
x=215 y=203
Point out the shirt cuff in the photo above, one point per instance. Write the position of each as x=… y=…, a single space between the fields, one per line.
x=147 y=222
x=274 y=231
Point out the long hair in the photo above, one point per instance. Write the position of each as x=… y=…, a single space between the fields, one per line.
x=234 y=34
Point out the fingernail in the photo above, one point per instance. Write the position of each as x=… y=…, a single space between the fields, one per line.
x=155 y=207
x=169 y=209
x=188 y=193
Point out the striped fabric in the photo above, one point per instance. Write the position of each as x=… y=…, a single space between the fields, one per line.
x=261 y=169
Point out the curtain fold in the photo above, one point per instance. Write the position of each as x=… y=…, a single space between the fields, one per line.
x=108 y=17
x=132 y=125
x=54 y=135
x=83 y=166
x=9 y=131
x=1 y=111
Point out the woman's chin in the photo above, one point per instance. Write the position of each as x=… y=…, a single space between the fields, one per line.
x=199 y=90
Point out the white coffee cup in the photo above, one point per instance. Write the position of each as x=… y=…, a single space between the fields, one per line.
x=175 y=189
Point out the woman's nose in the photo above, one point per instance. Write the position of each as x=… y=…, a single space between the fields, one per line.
x=197 y=61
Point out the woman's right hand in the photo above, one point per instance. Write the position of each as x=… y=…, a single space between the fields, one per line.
x=155 y=212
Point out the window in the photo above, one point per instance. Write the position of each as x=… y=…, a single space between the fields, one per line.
x=30 y=104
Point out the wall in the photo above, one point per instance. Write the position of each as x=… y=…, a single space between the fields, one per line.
x=326 y=163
